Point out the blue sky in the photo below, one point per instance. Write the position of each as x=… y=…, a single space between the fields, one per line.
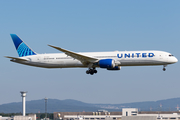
x=83 y=26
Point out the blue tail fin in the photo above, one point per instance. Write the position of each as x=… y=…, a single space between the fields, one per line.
x=21 y=47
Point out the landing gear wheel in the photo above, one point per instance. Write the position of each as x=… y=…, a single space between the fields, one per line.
x=87 y=71
x=164 y=69
x=91 y=71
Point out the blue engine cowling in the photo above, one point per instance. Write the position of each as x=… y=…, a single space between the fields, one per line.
x=107 y=63
x=115 y=68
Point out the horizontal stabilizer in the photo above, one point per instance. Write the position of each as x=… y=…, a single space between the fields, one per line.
x=14 y=58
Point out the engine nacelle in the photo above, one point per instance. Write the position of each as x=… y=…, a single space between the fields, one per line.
x=107 y=63
x=115 y=68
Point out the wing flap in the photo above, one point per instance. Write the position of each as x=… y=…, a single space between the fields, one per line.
x=83 y=58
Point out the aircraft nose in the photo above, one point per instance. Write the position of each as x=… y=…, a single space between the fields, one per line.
x=174 y=60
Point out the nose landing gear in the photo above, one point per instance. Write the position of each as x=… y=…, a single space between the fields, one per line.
x=164 y=69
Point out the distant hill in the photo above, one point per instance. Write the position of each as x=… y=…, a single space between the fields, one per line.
x=55 y=105
x=167 y=105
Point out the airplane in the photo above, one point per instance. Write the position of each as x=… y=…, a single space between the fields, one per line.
x=91 y=60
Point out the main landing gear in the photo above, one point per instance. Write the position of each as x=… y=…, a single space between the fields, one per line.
x=164 y=69
x=91 y=71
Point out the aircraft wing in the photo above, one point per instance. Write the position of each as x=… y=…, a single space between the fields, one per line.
x=84 y=59
x=14 y=58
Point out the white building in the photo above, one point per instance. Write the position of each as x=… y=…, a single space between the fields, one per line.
x=126 y=114
x=134 y=112
x=129 y=111
x=92 y=117
x=20 y=117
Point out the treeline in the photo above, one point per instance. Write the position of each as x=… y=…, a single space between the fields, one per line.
x=42 y=115
x=38 y=115
x=9 y=114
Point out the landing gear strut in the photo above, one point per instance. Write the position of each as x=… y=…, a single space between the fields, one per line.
x=164 y=69
x=91 y=71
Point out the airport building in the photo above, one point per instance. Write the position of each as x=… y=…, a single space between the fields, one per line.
x=87 y=115
x=126 y=114
x=20 y=117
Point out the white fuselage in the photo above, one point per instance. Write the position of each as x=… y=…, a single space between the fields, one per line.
x=125 y=58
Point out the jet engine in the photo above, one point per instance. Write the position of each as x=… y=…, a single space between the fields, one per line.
x=115 y=68
x=107 y=63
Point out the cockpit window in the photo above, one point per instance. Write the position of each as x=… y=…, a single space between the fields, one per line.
x=170 y=55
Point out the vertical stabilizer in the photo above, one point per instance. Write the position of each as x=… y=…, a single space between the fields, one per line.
x=21 y=47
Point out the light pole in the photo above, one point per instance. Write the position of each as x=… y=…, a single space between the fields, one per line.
x=45 y=106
